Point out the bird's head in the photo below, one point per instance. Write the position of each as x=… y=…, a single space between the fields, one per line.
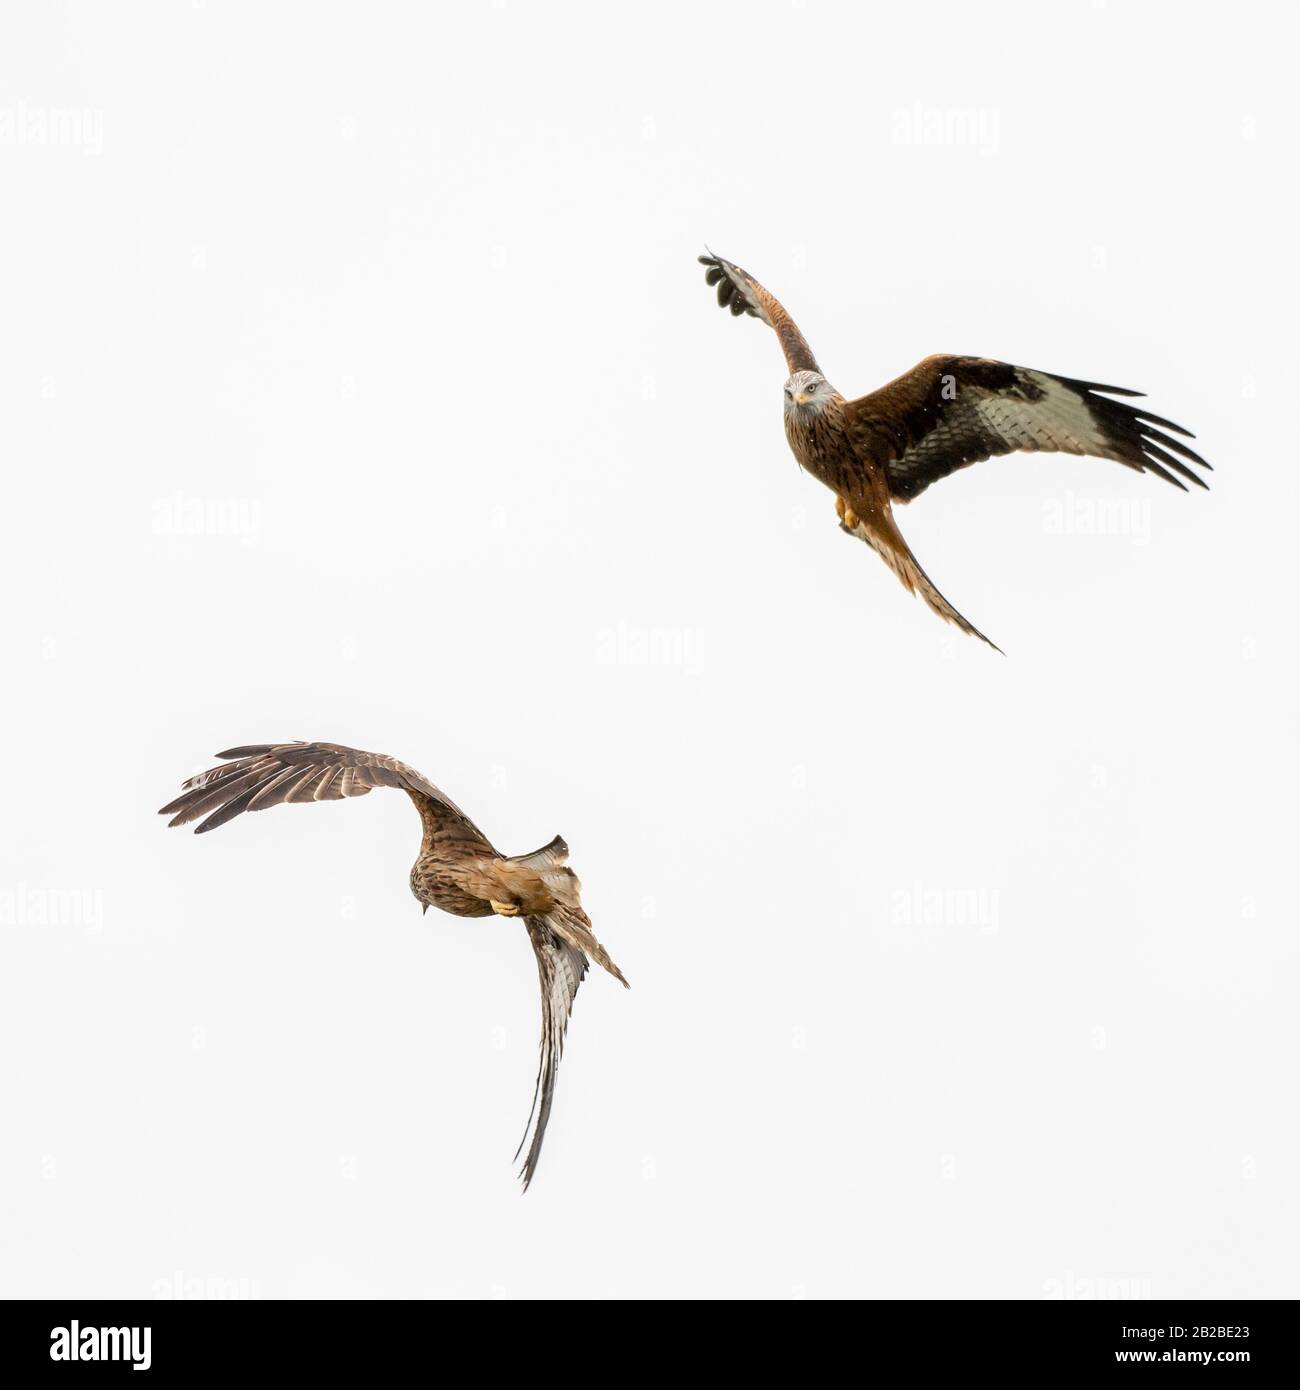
x=807 y=394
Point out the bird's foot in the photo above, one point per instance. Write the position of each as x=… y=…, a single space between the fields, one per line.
x=848 y=517
x=504 y=909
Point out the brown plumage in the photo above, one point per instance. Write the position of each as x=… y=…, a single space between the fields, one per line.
x=944 y=414
x=456 y=870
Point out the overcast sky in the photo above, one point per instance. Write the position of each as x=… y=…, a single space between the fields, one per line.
x=359 y=383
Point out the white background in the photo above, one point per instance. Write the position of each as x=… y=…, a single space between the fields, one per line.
x=358 y=382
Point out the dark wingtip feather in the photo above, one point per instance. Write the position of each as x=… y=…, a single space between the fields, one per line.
x=1139 y=439
x=1147 y=417
x=229 y=811
x=1176 y=464
x=1080 y=385
x=1177 y=446
x=1153 y=467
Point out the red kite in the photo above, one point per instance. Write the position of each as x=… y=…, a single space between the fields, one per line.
x=946 y=413
x=457 y=870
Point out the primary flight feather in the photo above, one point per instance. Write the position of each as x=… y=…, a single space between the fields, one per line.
x=457 y=870
x=944 y=414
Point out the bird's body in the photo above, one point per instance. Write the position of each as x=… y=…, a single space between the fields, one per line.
x=817 y=433
x=457 y=869
x=944 y=414
x=458 y=872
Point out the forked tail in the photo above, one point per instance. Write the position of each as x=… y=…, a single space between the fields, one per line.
x=887 y=541
x=567 y=919
x=562 y=942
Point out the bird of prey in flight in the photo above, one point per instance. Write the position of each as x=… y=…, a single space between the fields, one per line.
x=456 y=870
x=944 y=414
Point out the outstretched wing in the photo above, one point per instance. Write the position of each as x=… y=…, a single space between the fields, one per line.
x=744 y=295
x=562 y=941
x=948 y=412
x=266 y=774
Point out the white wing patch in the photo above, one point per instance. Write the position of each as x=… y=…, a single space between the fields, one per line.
x=1058 y=421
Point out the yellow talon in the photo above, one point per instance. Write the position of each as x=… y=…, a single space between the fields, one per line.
x=505 y=909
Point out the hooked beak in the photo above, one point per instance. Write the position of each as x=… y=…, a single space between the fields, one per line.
x=802 y=398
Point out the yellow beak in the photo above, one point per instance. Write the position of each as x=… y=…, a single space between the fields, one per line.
x=802 y=398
